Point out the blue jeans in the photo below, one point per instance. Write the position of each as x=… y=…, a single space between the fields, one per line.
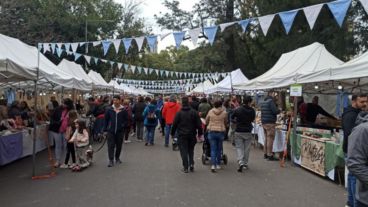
x=167 y=133
x=351 y=190
x=150 y=134
x=60 y=144
x=215 y=139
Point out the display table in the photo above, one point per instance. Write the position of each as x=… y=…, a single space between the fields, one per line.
x=11 y=148
x=279 y=141
x=42 y=135
x=317 y=155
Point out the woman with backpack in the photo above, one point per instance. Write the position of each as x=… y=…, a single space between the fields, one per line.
x=151 y=115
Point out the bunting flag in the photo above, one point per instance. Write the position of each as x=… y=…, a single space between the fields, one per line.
x=225 y=25
x=244 y=24
x=46 y=47
x=67 y=46
x=87 y=58
x=311 y=13
x=145 y=71
x=194 y=34
x=96 y=60
x=139 y=41
x=339 y=9
x=152 y=42
x=59 y=52
x=96 y=43
x=365 y=5
x=74 y=46
x=59 y=45
x=120 y=65
x=116 y=45
x=178 y=36
x=265 y=22
x=106 y=46
x=76 y=56
x=126 y=66
x=53 y=45
x=210 y=32
x=127 y=43
x=287 y=19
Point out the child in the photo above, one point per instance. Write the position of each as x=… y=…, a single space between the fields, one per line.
x=73 y=115
x=81 y=140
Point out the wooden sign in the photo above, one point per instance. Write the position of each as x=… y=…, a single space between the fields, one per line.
x=313 y=155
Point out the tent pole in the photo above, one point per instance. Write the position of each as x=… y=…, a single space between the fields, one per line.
x=35 y=108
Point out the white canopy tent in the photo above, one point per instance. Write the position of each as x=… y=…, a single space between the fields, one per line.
x=77 y=72
x=202 y=87
x=98 y=81
x=351 y=75
x=236 y=77
x=287 y=70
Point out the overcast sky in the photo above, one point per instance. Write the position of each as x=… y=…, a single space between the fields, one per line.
x=151 y=7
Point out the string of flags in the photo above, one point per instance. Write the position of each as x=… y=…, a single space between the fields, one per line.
x=191 y=81
x=338 y=9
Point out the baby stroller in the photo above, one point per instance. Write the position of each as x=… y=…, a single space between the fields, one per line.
x=206 y=147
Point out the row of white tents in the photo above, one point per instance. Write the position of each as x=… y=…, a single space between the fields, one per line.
x=311 y=66
x=21 y=63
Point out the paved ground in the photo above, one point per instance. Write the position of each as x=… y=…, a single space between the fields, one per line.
x=151 y=176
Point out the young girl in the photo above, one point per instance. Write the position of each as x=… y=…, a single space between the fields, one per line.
x=70 y=150
x=81 y=140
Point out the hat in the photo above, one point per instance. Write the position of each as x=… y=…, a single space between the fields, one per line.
x=172 y=98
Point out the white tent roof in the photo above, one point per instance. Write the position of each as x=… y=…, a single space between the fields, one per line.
x=97 y=80
x=116 y=86
x=236 y=77
x=202 y=87
x=291 y=65
x=352 y=74
x=77 y=72
x=19 y=61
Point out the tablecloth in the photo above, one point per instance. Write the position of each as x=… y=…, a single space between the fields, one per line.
x=10 y=148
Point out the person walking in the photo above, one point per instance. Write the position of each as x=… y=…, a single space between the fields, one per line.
x=138 y=117
x=115 y=122
x=128 y=109
x=358 y=102
x=269 y=113
x=216 y=121
x=244 y=115
x=203 y=108
x=187 y=125
x=151 y=116
x=169 y=111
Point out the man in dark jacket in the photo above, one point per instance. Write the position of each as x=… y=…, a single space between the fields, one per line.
x=269 y=113
x=138 y=109
x=115 y=121
x=195 y=103
x=313 y=109
x=358 y=158
x=187 y=125
x=358 y=102
x=244 y=116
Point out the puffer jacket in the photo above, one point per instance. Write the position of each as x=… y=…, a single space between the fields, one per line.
x=216 y=120
x=169 y=111
x=269 y=111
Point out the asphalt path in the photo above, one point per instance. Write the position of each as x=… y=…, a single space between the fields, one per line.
x=151 y=176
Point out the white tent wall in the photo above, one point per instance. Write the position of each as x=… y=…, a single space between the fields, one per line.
x=236 y=78
x=202 y=87
x=77 y=72
x=98 y=81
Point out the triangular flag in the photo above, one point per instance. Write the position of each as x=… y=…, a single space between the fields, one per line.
x=139 y=41
x=311 y=13
x=95 y=43
x=126 y=66
x=152 y=42
x=210 y=32
x=53 y=45
x=225 y=25
x=76 y=56
x=112 y=63
x=67 y=46
x=116 y=45
x=194 y=34
x=120 y=65
x=106 y=46
x=178 y=36
x=145 y=70
x=287 y=19
x=75 y=46
x=87 y=58
x=265 y=22
x=96 y=60
x=339 y=9
x=127 y=43
x=59 y=51
x=365 y=5
x=103 y=60
x=59 y=45
x=46 y=47
x=244 y=24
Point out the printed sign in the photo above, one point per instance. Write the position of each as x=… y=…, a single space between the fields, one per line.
x=296 y=90
x=313 y=155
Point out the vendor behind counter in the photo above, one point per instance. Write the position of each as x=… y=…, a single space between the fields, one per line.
x=309 y=112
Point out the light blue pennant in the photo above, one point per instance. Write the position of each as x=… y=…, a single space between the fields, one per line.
x=244 y=24
x=339 y=9
x=287 y=19
x=59 y=52
x=106 y=46
x=210 y=32
x=76 y=56
x=178 y=36
x=152 y=42
x=127 y=43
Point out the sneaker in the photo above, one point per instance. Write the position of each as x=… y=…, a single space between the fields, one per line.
x=140 y=140
x=213 y=168
x=127 y=141
x=72 y=166
x=118 y=162
x=64 y=166
x=272 y=158
x=132 y=134
x=191 y=168
x=218 y=167
x=56 y=164
x=265 y=156
x=111 y=164
x=185 y=170
x=240 y=169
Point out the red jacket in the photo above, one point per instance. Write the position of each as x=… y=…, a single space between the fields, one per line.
x=169 y=111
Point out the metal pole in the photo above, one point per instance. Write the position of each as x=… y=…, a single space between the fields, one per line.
x=294 y=126
x=231 y=84
x=35 y=120
x=86 y=33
